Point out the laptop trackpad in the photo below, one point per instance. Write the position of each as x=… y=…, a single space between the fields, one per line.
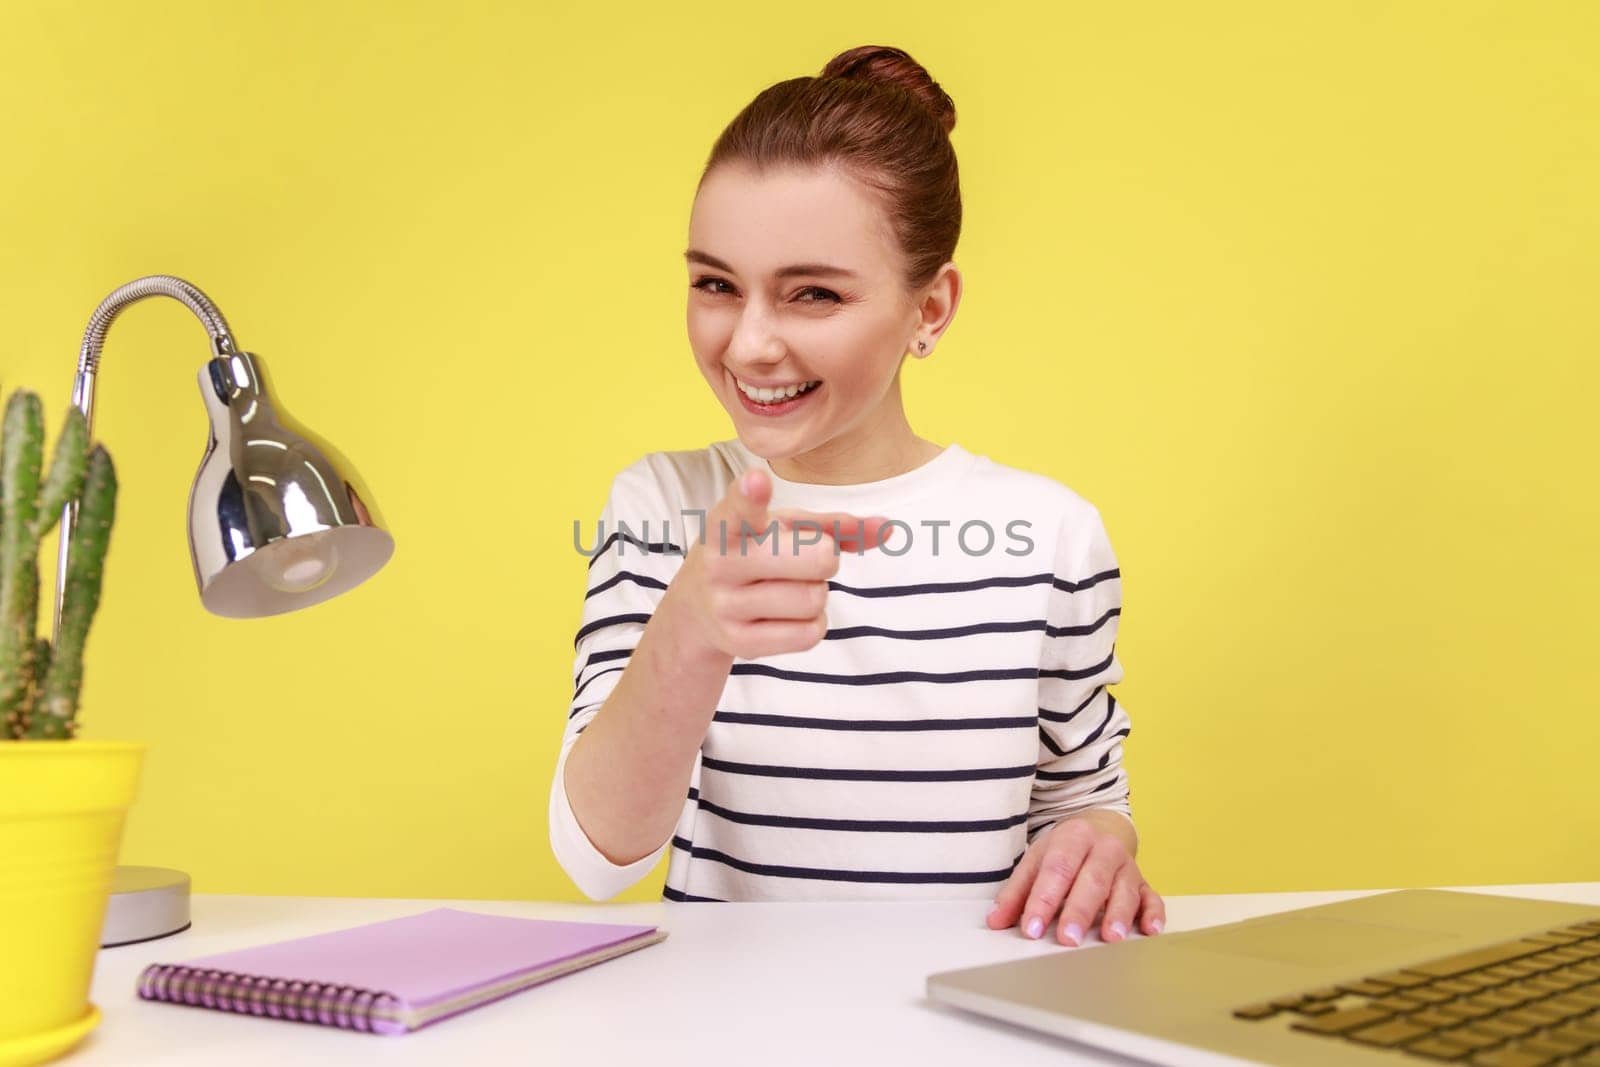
x=1314 y=941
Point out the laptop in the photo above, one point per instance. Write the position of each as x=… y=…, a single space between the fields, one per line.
x=1409 y=976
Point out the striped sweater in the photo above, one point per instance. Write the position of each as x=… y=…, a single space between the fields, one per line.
x=957 y=707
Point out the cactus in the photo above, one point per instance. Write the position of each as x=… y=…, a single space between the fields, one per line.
x=55 y=713
x=39 y=685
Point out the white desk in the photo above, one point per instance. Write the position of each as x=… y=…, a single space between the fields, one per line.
x=733 y=983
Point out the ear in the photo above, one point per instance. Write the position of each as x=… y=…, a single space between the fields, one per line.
x=937 y=308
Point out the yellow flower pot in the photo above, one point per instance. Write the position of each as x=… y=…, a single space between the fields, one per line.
x=62 y=805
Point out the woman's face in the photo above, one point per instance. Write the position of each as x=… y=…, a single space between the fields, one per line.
x=795 y=278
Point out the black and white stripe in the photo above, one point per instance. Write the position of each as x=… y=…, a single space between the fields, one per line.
x=957 y=707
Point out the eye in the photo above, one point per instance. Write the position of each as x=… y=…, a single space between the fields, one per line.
x=703 y=283
x=825 y=292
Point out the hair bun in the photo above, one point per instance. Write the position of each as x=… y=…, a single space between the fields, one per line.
x=893 y=66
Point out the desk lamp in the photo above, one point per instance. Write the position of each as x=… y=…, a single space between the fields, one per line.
x=278 y=520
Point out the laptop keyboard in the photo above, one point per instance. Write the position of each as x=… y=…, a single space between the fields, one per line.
x=1527 y=1002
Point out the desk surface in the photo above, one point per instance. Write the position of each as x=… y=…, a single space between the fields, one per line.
x=783 y=983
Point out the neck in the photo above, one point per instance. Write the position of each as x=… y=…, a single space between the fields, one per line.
x=882 y=447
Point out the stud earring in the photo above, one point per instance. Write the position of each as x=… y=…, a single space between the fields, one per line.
x=922 y=348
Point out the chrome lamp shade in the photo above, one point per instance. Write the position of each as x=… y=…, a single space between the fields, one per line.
x=278 y=518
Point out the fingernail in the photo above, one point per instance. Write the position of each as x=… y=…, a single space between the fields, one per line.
x=745 y=485
x=1118 y=931
x=1074 y=933
x=1035 y=926
x=989 y=918
x=1156 y=925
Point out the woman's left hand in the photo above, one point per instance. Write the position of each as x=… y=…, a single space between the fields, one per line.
x=1086 y=867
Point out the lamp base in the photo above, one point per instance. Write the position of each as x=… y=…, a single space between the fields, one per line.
x=146 y=903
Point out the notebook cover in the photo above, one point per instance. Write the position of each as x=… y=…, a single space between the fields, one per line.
x=374 y=976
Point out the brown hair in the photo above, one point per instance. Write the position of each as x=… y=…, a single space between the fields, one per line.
x=877 y=112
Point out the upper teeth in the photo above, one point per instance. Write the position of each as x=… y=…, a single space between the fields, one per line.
x=766 y=396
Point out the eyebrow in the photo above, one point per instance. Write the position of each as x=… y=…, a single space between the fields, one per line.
x=810 y=270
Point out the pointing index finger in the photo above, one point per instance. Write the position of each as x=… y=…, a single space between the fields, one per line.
x=742 y=511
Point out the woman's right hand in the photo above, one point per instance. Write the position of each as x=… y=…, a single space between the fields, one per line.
x=759 y=598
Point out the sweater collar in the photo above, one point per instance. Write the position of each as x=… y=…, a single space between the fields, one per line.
x=861 y=498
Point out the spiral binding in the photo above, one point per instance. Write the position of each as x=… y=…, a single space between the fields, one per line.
x=324 y=1003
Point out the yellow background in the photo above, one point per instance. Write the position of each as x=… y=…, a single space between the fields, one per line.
x=1300 y=296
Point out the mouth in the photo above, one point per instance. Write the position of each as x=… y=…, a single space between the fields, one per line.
x=776 y=401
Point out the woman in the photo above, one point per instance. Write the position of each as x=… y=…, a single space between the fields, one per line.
x=856 y=663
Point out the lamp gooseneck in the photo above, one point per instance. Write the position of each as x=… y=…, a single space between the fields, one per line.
x=94 y=336
x=94 y=339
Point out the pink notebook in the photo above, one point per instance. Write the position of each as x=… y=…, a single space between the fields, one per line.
x=394 y=976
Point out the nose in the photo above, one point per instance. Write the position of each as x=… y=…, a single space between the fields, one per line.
x=754 y=342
